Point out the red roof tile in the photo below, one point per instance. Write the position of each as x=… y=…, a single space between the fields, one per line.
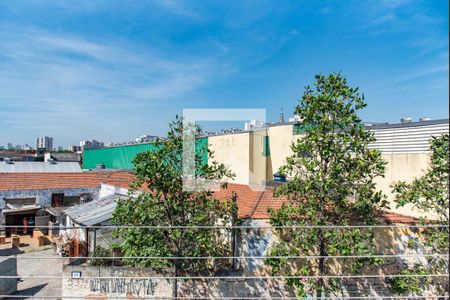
x=251 y=203
x=254 y=204
x=41 y=181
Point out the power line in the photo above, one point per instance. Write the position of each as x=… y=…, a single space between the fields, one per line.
x=445 y=255
x=225 y=226
x=238 y=298
x=231 y=277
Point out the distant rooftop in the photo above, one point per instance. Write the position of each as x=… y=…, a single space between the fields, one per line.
x=39 y=167
x=407 y=124
x=64 y=157
x=44 y=181
x=370 y=125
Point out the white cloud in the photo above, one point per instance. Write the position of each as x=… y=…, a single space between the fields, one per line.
x=179 y=8
x=391 y=4
x=48 y=79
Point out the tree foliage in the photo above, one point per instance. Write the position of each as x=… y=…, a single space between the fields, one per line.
x=330 y=182
x=429 y=193
x=167 y=205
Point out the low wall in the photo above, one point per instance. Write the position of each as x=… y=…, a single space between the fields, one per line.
x=8 y=267
x=80 y=281
x=141 y=282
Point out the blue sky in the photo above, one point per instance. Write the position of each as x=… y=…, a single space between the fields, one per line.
x=113 y=70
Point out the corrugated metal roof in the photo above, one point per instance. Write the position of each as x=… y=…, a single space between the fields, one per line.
x=408 y=125
x=407 y=138
x=22 y=209
x=94 y=212
x=39 y=167
x=57 y=211
x=74 y=157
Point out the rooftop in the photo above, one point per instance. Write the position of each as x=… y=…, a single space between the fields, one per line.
x=39 y=167
x=61 y=157
x=251 y=204
x=254 y=204
x=42 y=181
x=369 y=125
x=94 y=212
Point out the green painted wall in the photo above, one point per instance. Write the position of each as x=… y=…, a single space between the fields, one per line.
x=121 y=157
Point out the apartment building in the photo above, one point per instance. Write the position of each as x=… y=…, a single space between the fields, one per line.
x=44 y=143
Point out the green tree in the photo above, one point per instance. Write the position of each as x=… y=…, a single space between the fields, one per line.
x=167 y=205
x=330 y=183
x=428 y=193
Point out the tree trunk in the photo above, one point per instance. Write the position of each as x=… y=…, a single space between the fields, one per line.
x=175 y=283
x=321 y=283
x=234 y=245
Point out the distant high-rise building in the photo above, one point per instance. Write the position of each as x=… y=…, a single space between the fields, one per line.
x=18 y=147
x=10 y=146
x=44 y=143
x=91 y=144
x=60 y=148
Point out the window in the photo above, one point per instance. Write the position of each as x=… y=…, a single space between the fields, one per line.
x=266 y=146
x=57 y=200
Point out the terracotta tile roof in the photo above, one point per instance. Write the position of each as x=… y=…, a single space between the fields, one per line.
x=254 y=204
x=41 y=181
x=391 y=218
x=248 y=200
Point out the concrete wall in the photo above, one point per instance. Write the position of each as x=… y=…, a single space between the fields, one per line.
x=89 y=284
x=44 y=197
x=394 y=241
x=140 y=282
x=8 y=267
x=256 y=242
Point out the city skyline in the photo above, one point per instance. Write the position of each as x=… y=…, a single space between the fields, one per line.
x=113 y=71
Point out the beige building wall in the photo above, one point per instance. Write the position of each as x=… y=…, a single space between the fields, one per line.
x=402 y=167
x=281 y=138
x=259 y=163
x=233 y=151
x=243 y=154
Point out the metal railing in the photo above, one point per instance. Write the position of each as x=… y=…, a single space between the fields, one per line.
x=242 y=257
